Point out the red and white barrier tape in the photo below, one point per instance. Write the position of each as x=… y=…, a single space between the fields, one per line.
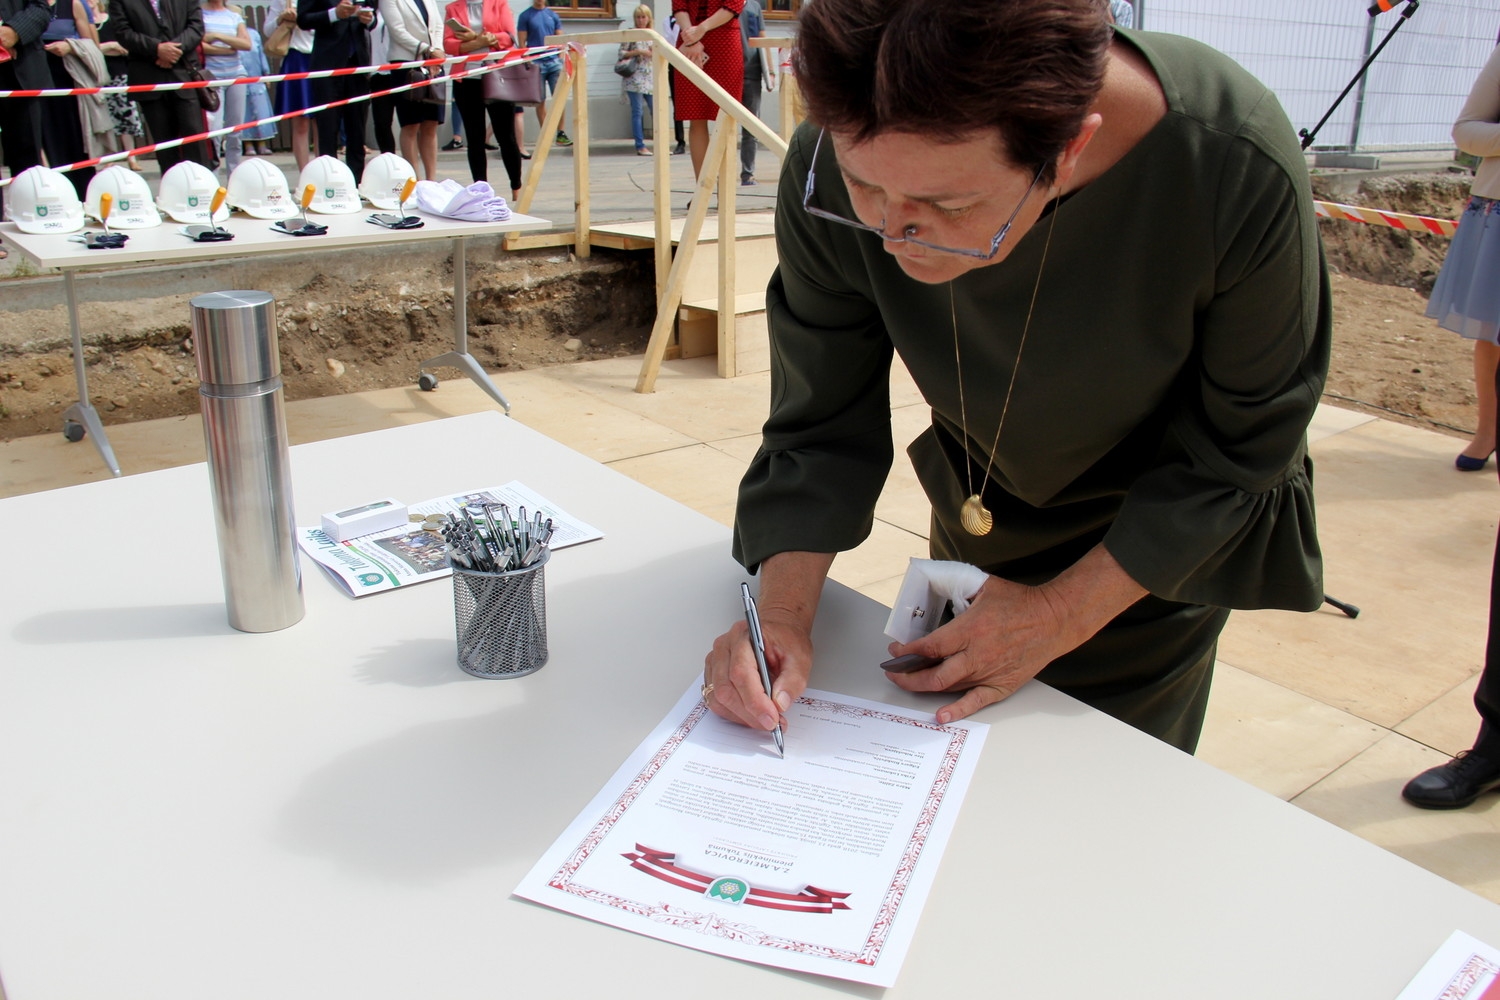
x=1379 y=217
x=110 y=158
x=506 y=58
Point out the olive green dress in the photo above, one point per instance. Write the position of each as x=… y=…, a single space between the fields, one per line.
x=1178 y=349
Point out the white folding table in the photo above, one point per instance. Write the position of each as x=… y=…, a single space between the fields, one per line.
x=337 y=810
x=165 y=244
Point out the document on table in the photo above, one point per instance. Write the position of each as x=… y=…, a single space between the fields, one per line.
x=1464 y=968
x=399 y=557
x=820 y=862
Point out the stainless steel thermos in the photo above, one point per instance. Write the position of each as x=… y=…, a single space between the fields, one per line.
x=244 y=427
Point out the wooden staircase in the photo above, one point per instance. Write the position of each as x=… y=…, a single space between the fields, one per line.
x=742 y=344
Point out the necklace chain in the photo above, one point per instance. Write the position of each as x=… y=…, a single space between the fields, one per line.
x=974 y=516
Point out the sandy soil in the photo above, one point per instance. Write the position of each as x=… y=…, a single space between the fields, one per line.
x=546 y=307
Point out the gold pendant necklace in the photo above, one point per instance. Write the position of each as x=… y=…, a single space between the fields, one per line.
x=972 y=514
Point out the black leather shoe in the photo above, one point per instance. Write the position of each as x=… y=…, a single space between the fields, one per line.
x=1455 y=784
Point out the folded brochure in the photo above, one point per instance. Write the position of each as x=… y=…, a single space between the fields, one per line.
x=402 y=556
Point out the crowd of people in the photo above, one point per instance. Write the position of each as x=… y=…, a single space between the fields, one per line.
x=94 y=43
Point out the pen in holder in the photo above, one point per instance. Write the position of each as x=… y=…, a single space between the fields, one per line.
x=501 y=619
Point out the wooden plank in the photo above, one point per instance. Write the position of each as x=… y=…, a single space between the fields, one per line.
x=580 y=71
x=748 y=226
x=791 y=106
x=534 y=241
x=661 y=176
x=614 y=241
x=744 y=302
x=666 y=308
x=729 y=176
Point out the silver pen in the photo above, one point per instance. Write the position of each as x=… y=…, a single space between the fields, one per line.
x=758 y=644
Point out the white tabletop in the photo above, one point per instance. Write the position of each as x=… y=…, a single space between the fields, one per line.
x=336 y=810
x=166 y=244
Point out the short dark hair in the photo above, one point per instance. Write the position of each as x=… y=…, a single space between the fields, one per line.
x=1029 y=69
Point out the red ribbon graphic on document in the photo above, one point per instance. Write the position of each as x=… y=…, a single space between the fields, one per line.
x=729 y=889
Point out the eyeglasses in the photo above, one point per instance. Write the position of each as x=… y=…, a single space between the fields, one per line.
x=908 y=234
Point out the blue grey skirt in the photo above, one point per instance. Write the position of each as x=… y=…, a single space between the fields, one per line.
x=1466 y=297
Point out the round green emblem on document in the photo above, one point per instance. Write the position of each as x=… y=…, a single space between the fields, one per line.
x=728 y=890
x=370 y=579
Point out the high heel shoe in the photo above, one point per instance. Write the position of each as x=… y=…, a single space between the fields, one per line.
x=1463 y=463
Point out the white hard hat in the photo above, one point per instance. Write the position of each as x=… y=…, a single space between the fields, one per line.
x=133 y=207
x=258 y=188
x=334 y=190
x=187 y=190
x=42 y=200
x=384 y=178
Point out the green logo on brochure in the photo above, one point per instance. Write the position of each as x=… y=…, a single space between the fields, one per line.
x=370 y=579
x=728 y=890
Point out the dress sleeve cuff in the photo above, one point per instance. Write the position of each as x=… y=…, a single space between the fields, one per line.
x=1189 y=538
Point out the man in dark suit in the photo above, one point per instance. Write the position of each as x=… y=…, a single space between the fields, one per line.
x=341 y=37
x=161 y=39
x=21 y=25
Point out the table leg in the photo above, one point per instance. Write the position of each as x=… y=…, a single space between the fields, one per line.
x=460 y=357
x=83 y=412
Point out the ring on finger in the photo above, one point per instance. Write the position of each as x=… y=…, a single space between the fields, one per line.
x=707 y=690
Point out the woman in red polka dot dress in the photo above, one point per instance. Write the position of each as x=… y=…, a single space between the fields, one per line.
x=711 y=38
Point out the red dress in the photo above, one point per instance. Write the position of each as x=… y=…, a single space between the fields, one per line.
x=726 y=62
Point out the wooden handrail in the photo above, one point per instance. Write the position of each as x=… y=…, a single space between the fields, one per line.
x=688 y=68
x=717 y=169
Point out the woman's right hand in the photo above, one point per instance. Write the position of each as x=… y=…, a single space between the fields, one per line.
x=290 y=14
x=732 y=677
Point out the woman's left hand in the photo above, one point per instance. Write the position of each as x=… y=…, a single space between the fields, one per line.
x=1007 y=636
x=1011 y=631
x=691 y=35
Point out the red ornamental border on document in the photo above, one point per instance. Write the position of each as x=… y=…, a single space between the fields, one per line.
x=713 y=925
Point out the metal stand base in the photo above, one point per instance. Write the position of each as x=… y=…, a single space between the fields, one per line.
x=83 y=412
x=460 y=357
x=465 y=362
x=85 y=415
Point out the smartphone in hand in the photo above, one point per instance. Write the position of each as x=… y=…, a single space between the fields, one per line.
x=909 y=663
x=459 y=28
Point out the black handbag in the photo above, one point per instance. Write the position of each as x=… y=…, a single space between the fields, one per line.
x=432 y=92
x=208 y=97
x=518 y=84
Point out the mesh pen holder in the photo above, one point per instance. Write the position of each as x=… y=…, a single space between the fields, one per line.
x=502 y=620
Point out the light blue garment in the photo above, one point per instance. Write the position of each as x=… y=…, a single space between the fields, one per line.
x=1466 y=297
x=257 y=97
x=539 y=25
x=225 y=22
x=1124 y=14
